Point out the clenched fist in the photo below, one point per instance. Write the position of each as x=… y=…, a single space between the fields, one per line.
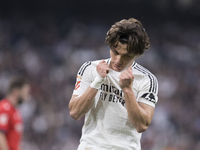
x=102 y=68
x=126 y=78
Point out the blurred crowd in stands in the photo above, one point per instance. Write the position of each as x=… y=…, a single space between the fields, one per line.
x=49 y=54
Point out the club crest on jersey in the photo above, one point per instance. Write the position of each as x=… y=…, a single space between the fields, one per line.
x=79 y=77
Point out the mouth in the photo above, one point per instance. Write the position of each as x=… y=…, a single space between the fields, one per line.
x=118 y=66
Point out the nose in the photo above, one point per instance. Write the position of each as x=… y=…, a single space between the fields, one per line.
x=119 y=60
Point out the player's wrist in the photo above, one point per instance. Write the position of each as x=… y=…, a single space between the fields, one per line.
x=96 y=84
x=127 y=89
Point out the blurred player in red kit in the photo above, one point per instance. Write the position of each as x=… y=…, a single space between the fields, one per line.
x=11 y=124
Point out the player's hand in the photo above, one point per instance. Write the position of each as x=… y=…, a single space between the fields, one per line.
x=126 y=78
x=102 y=68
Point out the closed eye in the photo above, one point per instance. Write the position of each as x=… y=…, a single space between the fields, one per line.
x=115 y=52
x=128 y=55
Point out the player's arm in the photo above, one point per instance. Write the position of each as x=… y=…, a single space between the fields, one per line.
x=140 y=114
x=3 y=141
x=80 y=105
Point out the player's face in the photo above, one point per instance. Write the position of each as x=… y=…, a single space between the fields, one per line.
x=120 y=58
x=24 y=93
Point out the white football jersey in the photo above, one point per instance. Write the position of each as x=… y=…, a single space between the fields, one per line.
x=106 y=125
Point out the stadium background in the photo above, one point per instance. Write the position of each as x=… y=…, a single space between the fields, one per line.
x=47 y=41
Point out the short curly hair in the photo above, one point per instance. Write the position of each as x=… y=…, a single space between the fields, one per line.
x=130 y=32
x=16 y=83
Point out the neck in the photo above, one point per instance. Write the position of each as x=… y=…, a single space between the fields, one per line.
x=12 y=100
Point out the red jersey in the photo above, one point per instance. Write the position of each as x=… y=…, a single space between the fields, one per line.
x=11 y=124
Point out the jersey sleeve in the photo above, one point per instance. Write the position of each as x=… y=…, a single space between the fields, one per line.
x=4 y=117
x=148 y=92
x=83 y=79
